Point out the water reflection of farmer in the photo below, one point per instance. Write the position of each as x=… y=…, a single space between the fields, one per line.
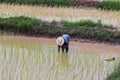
x=63 y=42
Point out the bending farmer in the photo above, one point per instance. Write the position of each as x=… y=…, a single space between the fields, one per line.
x=63 y=42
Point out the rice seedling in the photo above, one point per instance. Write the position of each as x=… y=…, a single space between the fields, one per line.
x=41 y=62
x=60 y=13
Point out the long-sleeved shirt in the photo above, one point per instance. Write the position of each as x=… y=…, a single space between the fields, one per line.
x=66 y=38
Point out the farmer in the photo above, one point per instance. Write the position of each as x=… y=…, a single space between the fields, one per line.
x=63 y=42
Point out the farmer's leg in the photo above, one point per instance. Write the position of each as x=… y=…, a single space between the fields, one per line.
x=58 y=48
x=63 y=47
x=67 y=48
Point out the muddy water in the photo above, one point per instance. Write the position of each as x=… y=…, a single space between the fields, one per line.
x=94 y=48
x=74 y=63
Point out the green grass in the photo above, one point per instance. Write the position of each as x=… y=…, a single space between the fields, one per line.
x=109 y=5
x=35 y=62
x=81 y=29
x=41 y=2
x=87 y=23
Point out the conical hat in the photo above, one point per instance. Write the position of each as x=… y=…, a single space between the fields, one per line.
x=60 y=41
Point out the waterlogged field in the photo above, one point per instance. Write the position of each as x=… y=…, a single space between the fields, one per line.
x=31 y=61
x=61 y=13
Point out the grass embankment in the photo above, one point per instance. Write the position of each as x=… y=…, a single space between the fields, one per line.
x=115 y=75
x=82 y=29
x=107 y=5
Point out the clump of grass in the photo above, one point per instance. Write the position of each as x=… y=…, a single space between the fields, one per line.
x=18 y=24
x=109 y=5
x=115 y=75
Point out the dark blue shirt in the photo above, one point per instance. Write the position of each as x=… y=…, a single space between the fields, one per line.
x=66 y=38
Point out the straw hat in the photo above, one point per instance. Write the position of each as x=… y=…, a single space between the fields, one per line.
x=60 y=41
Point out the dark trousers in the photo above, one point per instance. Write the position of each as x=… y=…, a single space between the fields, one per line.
x=65 y=47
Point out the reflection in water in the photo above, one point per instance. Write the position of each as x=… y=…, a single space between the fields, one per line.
x=62 y=60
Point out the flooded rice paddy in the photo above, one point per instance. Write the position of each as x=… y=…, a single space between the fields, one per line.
x=29 y=58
